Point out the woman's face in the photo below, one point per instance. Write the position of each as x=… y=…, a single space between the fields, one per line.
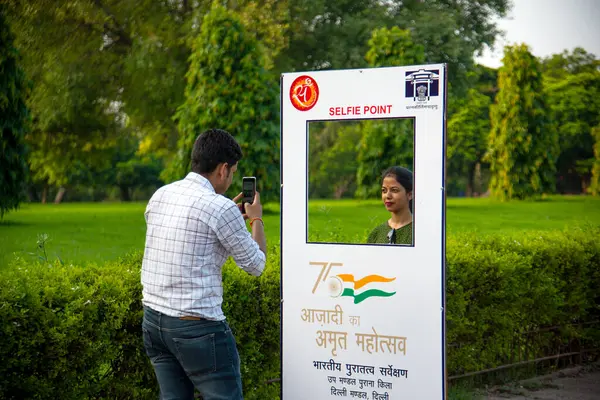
x=394 y=195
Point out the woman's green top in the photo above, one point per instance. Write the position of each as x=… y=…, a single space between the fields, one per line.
x=380 y=234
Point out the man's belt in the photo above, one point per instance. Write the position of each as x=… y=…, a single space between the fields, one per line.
x=192 y=318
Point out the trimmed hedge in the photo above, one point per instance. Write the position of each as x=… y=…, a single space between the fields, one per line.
x=73 y=332
x=501 y=285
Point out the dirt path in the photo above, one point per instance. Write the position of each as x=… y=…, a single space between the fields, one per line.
x=579 y=383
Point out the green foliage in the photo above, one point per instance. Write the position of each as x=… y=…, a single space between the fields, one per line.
x=13 y=121
x=74 y=118
x=383 y=144
x=594 y=188
x=572 y=87
x=335 y=34
x=137 y=172
x=523 y=145
x=72 y=333
x=228 y=88
x=389 y=142
x=252 y=308
x=332 y=148
x=92 y=62
x=499 y=286
x=75 y=128
x=75 y=333
x=468 y=131
x=575 y=62
x=393 y=47
x=85 y=57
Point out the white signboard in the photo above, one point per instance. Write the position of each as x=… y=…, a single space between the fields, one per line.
x=361 y=319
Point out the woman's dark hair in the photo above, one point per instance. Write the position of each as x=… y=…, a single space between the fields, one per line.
x=404 y=177
x=213 y=147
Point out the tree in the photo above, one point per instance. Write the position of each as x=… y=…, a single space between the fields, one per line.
x=523 y=145
x=383 y=144
x=13 y=122
x=332 y=158
x=572 y=87
x=594 y=188
x=75 y=128
x=137 y=172
x=229 y=88
x=484 y=80
x=137 y=51
x=468 y=130
x=387 y=142
x=393 y=47
x=335 y=34
x=577 y=61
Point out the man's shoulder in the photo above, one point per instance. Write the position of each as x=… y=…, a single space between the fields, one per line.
x=163 y=191
x=167 y=187
x=219 y=202
x=197 y=196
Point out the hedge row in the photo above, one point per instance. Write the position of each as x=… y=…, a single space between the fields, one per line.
x=500 y=287
x=73 y=332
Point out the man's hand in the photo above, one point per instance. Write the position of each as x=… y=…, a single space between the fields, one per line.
x=235 y=200
x=253 y=210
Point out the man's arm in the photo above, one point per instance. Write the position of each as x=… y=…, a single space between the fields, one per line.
x=254 y=214
x=258 y=234
x=235 y=238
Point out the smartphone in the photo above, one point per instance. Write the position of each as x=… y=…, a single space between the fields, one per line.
x=248 y=191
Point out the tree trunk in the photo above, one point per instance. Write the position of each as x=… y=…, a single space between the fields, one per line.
x=470 y=180
x=125 y=193
x=339 y=191
x=60 y=195
x=32 y=194
x=585 y=183
x=45 y=194
x=478 y=184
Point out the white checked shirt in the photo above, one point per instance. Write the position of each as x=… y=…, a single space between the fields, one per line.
x=191 y=230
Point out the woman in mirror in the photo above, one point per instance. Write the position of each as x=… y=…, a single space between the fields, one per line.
x=397 y=195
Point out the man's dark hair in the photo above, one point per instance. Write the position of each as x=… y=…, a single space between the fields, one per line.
x=213 y=147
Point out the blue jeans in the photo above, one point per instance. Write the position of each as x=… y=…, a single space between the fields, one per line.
x=188 y=354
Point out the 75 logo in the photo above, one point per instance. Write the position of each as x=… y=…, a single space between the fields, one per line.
x=325 y=270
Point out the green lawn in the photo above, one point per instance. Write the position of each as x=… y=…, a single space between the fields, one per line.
x=355 y=218
x=81 y=232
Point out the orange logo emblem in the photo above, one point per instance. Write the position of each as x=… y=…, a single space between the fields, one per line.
x=304 y=93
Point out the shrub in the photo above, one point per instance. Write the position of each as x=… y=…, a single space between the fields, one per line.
x=74 y=332
x=499 y=287
x=68 y=332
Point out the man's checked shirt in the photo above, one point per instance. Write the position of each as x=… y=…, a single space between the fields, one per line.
x=191 y=231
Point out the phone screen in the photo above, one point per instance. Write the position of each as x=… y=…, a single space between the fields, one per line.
x=248 y=189
x=247 y=192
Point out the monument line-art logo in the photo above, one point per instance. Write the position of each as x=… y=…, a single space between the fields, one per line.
x=423 y=84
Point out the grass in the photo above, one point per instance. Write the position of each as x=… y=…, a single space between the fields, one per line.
x=82 y=232
x=480 y=215
x=460 y=393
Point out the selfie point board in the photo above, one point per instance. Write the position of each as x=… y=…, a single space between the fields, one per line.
x=364 y=320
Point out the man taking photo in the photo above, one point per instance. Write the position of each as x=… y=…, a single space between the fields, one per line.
x=191 y=231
